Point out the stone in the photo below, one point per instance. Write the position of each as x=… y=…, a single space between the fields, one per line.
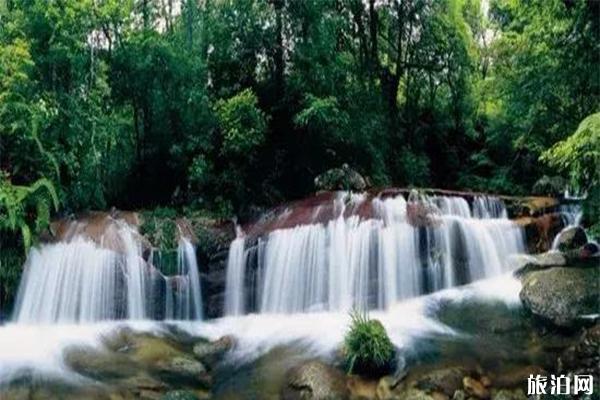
x=98 y=364
x=211 y=351
x=485 y=381
x=314 y=380
x=562 y=294
x=344 y=178
x=184 y=367
x=515 y=377
x=475 y=388
x=583 y=357
x=446 y=380
x=505 y=394
x=459 y=395
x=539 y=261
x=571 y=238
x=179 y=395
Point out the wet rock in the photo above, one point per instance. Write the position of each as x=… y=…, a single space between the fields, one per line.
x=515 y=377
x=344 y=178
x=571 y=238
x=314 y=380
x=583 y=357
x=143 y=386
x=415 y=394
x=179 y=395
x=562 y=294
x=590 y=249
x=540 y=261
x=184 y=368
x=98 y=364
x=475 y=388
x=459 y=395
x=361 y=388
x=446 y=380
x=505 y=394
x=211 y=351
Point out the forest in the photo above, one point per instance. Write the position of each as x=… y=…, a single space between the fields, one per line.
x=227 y=106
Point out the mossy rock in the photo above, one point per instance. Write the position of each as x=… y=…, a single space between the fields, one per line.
x=179 y=395
x=561 y=295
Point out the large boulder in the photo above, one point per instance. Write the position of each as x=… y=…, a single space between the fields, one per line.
x=571 y=238
x=344 y=178
x=314 y=380
x=445 y=380
x=561 y=295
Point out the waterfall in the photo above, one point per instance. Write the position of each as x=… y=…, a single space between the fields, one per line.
x=82 y=281
x=234 y=284
x=351 y=261
x=571 y=216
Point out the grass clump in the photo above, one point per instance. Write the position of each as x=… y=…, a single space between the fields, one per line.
x=368 y=349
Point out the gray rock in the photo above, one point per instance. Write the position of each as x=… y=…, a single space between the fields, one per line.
x=446 y=380
x=314 y=380
x=179 y=395
x=505 y=394
x=211 y=351
x=540 y=261
x=561 y=294
x=571 y=238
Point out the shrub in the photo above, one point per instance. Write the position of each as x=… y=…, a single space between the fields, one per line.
x=367 y=347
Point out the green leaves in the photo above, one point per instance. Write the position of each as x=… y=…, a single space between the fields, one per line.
x=243 y=124
x=578 y=156
x=26 y=209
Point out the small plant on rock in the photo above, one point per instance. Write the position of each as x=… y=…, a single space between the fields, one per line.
x=368 y=349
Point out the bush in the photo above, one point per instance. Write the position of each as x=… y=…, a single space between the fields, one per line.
x=368 y=349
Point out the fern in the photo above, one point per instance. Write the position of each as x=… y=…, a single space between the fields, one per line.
x=26 y=209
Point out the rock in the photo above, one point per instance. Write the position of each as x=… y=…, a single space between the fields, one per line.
x=571 y=238
x=99 y=364
x=344 y=178
x=540 y=261
x=485 y=381
x=516 y=376
x=583 y=357
x=414 y=394
x=179 y=395
x=475 y=388
x=590 y=249
x=314 y=380
x=211 y=351
x=505 y=394
x=459 y=395
x=143 y=386
x=446 y=380
x=183 y=367
x=361 y=388
x=562 y=294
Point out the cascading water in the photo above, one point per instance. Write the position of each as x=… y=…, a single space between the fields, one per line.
x=80 y=281
x=355 y=262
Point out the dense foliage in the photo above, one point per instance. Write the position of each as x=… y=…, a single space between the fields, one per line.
x=225 y=105
x=367 y=347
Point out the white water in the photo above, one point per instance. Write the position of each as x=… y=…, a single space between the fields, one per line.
x=236 y=262
x=571 y=215
x=80 y=282
x=38 y=349
x=351 y=262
